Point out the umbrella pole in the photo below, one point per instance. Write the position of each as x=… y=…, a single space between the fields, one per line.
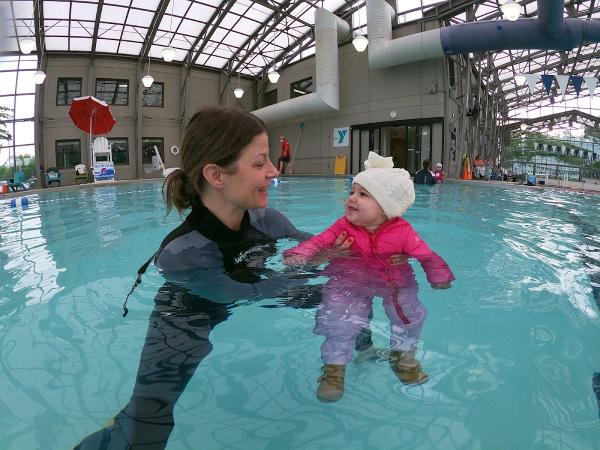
x=91 y=144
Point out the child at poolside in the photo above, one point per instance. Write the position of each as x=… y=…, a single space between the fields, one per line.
x=380 y=196
x=440 y=176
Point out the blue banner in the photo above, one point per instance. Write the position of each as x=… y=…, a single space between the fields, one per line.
x=577 y=81
x=547 y=81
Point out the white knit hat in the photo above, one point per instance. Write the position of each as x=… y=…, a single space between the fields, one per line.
x=439 y=165
x=391 y=188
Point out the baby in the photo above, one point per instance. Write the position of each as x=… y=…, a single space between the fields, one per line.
x=439 y=173
x=372 y=221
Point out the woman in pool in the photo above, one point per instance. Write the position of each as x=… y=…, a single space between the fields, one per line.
x=213 y=259
x=377 y=232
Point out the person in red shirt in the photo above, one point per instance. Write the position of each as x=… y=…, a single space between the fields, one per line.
x=285 y=156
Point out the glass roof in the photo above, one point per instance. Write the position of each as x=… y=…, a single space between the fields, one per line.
x=249 y=37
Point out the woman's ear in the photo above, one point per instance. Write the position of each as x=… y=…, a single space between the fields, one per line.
x=213 y=175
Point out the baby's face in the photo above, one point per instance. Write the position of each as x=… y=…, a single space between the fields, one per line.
x=363 y=210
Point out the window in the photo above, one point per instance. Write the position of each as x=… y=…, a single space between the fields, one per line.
x=68 y=153
x=154 y=95
x=302 y=87
x=148 y=149
x=66 y=90
x=451 y=74
x=270 y=97
x=113 y=92
x=120 y=150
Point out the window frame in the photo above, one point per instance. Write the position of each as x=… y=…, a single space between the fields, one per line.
x=295 y=84
x=161 y=151
x=110 y=142
x=117 y=81
x=162 y=97
x=268 y=97
x=62 y=141
x=58 y=92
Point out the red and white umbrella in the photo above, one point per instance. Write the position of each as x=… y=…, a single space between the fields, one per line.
x=92 y=116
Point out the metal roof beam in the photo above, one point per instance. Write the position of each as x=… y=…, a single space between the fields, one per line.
x=96 y=27
x=207 y=32
x=153 y=29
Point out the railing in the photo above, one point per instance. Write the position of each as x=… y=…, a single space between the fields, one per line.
x=553 y=171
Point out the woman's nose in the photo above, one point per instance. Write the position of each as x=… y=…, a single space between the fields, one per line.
x=272 y=170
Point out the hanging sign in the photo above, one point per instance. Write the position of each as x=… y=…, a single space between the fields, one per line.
x=341 y=137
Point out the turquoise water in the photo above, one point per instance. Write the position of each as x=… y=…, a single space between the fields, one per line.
x=510 y=349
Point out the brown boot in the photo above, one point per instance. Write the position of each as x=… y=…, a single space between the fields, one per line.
x=331 y=383
x=407 y=368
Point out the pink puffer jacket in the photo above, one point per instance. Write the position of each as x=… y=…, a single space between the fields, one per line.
x=392 y=237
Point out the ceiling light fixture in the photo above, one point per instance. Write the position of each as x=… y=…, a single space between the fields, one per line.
x=238 y=91
x=273 y=76
x=360 y=42
x=168 y=53
x=39 y=76
x=27 y=45
x=511 y=10
x=148 y=79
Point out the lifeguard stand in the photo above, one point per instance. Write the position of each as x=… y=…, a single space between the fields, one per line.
x=102 y=163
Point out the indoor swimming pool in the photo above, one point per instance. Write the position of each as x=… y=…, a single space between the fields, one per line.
x=511 y=349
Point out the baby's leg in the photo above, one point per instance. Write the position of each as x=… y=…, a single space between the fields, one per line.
x=407 y=315
x=340 y=318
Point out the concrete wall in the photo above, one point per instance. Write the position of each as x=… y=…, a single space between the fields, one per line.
x=202 y=88
x=411 y=91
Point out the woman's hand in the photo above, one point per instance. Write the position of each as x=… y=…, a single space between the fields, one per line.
x=441 y=285
x=294 y=260
x=339 y=249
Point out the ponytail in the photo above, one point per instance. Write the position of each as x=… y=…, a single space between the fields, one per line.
x=177 y=192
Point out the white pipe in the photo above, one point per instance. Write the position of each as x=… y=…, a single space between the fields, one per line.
x=329 y=30
x=385 y=52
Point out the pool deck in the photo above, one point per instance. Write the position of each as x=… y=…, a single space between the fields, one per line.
x=576 y=187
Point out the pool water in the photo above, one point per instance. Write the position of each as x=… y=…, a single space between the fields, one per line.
x=510 y=349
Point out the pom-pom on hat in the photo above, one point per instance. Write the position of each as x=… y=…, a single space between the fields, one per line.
x=391 y=187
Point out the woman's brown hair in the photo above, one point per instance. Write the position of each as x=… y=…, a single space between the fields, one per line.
x=214 y=135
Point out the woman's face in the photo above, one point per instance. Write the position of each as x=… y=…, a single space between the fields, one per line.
x=247 y=184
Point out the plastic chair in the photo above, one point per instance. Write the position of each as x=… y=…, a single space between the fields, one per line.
x=104 y=169
x=52 y=175
x=101 y=150
x=81 y=173
x=17 y=182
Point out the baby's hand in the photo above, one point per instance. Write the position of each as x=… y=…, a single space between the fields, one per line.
x=441 y=285
x=294 y=260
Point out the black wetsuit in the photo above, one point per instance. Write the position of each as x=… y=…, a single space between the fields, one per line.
x=208 y=267
x=425 y=176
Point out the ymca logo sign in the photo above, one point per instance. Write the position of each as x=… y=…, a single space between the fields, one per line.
x=341 y=137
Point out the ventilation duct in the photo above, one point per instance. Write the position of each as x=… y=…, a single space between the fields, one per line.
x=548 y=32
x=329 y=30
